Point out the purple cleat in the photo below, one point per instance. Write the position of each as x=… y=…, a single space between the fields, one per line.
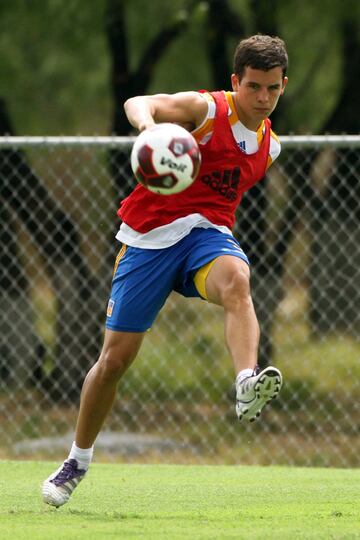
x=56 y=489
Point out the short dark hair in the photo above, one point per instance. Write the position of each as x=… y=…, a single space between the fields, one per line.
x=260 y=52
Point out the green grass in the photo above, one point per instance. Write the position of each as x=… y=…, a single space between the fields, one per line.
x=183 y=502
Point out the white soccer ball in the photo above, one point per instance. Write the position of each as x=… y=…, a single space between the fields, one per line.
x=165 y=159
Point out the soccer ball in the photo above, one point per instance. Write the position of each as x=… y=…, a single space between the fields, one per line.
x=165 y=159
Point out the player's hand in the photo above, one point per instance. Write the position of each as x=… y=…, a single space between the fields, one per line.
x=146 y=125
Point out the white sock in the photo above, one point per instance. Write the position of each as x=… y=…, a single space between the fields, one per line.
x=82 y=455
x=244 y=374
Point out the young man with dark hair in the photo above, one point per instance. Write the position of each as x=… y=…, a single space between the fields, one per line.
x=187 y=238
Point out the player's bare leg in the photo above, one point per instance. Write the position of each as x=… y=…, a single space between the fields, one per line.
x=228 y=285
x=100 y=385
x=97 y=397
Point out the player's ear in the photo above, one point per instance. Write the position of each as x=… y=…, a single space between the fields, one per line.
x=285 y=81
x=234 y=82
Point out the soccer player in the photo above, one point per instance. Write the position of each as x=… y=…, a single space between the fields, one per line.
x=186 y=239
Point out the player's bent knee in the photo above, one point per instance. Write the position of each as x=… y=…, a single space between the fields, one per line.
x=236 y=290
x=118 y=352
x=113 y=362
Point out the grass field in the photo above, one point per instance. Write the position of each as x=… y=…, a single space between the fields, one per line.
x=183 y=502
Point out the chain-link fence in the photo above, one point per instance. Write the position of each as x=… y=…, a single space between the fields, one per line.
x=300 y=228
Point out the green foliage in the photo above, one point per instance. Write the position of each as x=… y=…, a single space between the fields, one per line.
x=201 y=502
x=55 y=61
x=314 y=46
x=54 y=65
x=185 y=64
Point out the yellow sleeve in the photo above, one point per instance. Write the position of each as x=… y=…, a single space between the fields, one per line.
x=274 y=150
x=203 y=132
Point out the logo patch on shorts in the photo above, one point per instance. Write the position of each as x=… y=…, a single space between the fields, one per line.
x=110 y=307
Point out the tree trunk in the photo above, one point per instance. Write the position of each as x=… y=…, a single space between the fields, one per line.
x=21 y=349
x=57 y=239
x=126 y=83
x=335 y=262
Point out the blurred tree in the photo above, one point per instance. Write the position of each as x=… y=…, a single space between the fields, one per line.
x=58 y=241
x=54 y=66
x=21 y=349
x=335 y=305
x=126 y=81
x=50 y=89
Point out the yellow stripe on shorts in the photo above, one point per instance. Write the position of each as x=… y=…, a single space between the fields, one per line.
x=119 y=257
x=200 y=278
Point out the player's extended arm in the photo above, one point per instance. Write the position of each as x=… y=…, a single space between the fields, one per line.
x=187 y=109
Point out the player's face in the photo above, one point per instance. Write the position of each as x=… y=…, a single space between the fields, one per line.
x=257 y=94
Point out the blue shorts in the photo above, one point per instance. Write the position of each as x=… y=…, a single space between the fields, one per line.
x=144 y=278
